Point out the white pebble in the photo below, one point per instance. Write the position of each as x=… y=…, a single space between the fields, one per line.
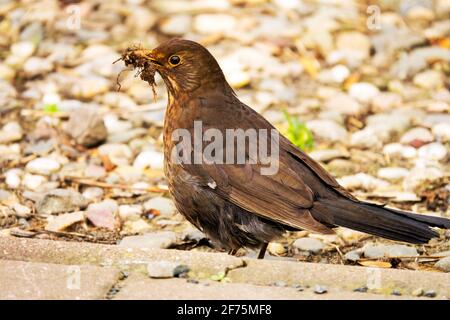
x=43 y=166
x=433 y=151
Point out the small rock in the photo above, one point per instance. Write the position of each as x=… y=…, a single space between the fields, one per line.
x=138 y=225
x=130 y=212
x=443 y=264
x=309 y=244
x=277 y=249
x=279 y=284
x=386 y=101
x=89 y=87
x=430 y=294
x=399 y=150
x=328 y=154
x=417 y=135
x=418 y=175
x=365 y=138
x=44 y=166
x=12 y=178
x=119 y=154
x=11 y=132
x=163 y=205
x=353 y=255
x=37 y=66
x=327 y=130
x=363 y=91
x=354 y=43
x=442 y=131
x=176 y=25
x=361 y=289
x=162 y=269
x=396 y=292
x=320 y=289
x=192 y=233
x=59 y=201
x=344 y=104
x=157 y=240
x=379 y=251
x=63 y=221
x=433 y=151
x=418 y=292
x=149 y=159
x=430 y=80
x=93 y=193
x=392 y=173
x=181 y=271
x=33 y=182
x=22 y=211
x=214 y=23
x=86 y=127
x=102 y=214
x=362 y=181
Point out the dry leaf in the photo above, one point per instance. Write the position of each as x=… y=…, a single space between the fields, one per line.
x=377 y=264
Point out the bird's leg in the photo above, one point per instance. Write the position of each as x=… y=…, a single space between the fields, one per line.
x=262 y=251
x=232 y=252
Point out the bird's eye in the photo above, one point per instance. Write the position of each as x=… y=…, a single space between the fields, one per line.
x=174 y=60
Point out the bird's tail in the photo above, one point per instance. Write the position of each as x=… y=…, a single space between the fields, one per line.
x=378 y=220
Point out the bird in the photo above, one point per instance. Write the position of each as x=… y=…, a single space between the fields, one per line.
x=235 y=204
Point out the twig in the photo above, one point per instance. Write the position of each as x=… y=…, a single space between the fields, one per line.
x=90 y=182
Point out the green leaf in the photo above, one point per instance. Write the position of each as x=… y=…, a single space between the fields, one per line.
x=51 y=108
x=298 y=133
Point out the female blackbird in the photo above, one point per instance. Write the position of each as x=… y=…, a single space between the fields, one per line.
x=237 y=204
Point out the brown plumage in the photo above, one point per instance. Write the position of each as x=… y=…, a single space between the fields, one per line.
x=234 y=204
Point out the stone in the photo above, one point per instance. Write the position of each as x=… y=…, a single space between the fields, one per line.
x=433 y=151
x=43 y=166
x=362 y=181
x=443 y=264
x=119 y=154
x=63 y=221
x=13 y=178
x=392 y=173
x=157 y=240
x=363 y=91
x=176 y=25
x=60 y=201
x=276 y=249
x=326 y=155
x=163 y=206
x=130 y=212
x=87 y=127
x=386 y=101
x=353 y=255
x=162 y=269
x=149 y=159
x=337 y=74
x=327 y=130
x=36 y=66
x=136 y=225
x=399 y=150
x=11 y=132
x=320 y=289
x=419 y=175
x=430 y=80
x=103 y=214
x=442 y=131
x=192 y=233
x=214 y=23
x=417 y=135
x=396 y=250
x=309 y=244
x=93 y=193
x=365 y=139
x=353 y=43
x=89 y=87
x=21 y=210
x=32 y=181
x=344 y=104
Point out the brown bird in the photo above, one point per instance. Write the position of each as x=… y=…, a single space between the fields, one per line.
x=236 y=205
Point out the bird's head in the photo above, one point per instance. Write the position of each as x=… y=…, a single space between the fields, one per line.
x=186 y=66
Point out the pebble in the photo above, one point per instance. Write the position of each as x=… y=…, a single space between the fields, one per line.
x=214 y=23
x=138 y=225
x=43 y=166
x=386 y=101
x=443 y=264
x=328 y=154
x=192 y=233
x=362 y=289
x=433 y=151
x=430 y=294
x=353 y=255
x=162 y=269
x=11 y=132
x=13 y=178
x=362 y=181
x=355 y=44
x=164 y=206
x=59 y=201
x=327 y=130
x=418 y=292
x=32 y=181
x=318 y=289
x=87 y=127
x=392 y=173
x=156 y=240
x=309 y=244
x=417 y=176
x=276 y=249
x=337 y=74
x=36 y=66
x=176 y=25
x=93 y=193
x=63 y=221
x=103 y=214
x=149 y=159
x=363 y=91
x=89 y=87
x=344 y=104
x=130 y=212
x=429 y=80
x=365 y=139
x=417 y=135
x=442 y=132
x=21 y=210
x=119 y=154
x=398 y=150
x=396 y=250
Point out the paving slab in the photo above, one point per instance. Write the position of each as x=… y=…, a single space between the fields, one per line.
x=202 y=264
x=139 y=287
x=30 y=280
x=261 y=272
